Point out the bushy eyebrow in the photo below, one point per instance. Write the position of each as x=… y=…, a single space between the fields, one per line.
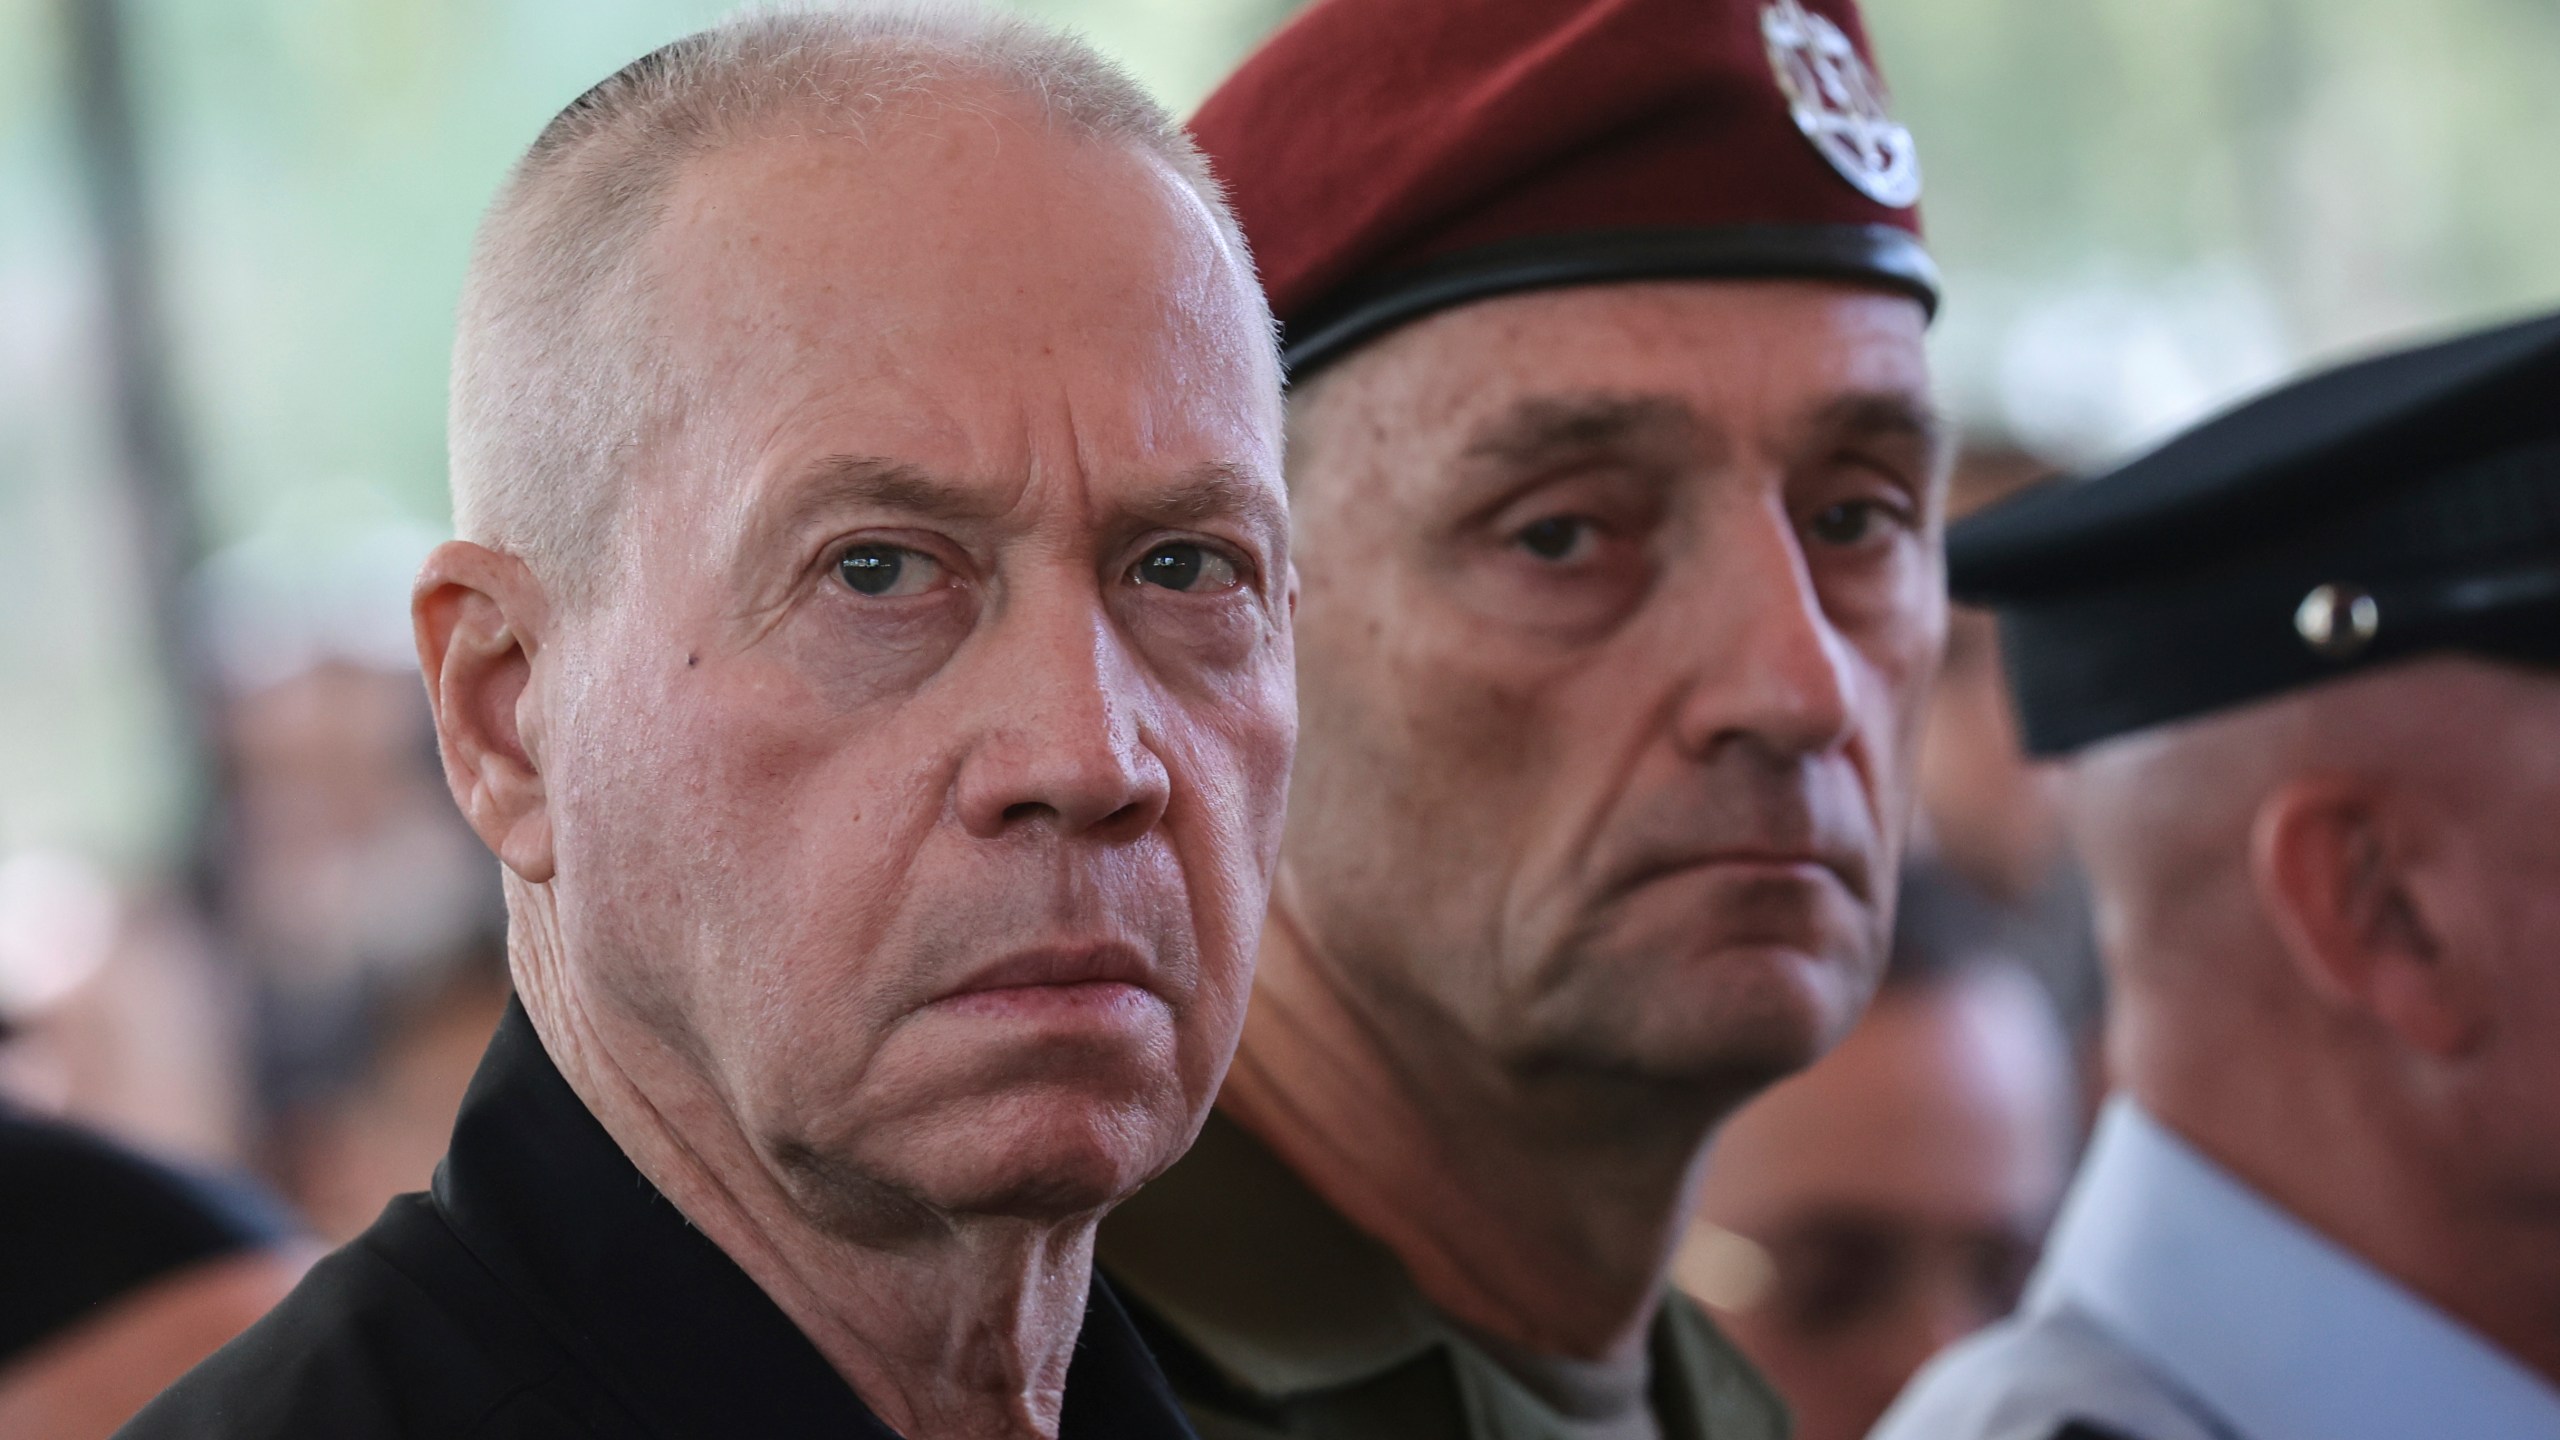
x=1549 y=430
x=1886 y=414
x=1544 y=430
x=1214 y=491
x=843 y=481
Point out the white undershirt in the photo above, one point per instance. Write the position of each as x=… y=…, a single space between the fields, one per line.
x=1577 y=1399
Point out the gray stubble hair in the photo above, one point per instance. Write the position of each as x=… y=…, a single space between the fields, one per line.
x=558 y=389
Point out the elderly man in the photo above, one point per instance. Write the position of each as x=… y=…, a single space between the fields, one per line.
x=2309 y=657
x=868 y=654
x=1617 y=491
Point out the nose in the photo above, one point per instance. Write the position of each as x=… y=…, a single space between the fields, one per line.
x=1772 y=671
x=1064 y=747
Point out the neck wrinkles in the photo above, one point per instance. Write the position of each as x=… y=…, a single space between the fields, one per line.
x=1540 y=1211
x=964 y=1328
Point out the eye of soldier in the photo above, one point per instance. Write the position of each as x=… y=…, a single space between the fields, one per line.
x=1558 y=537
x=1851 y=522
x=888 y=571
x=1185 y=566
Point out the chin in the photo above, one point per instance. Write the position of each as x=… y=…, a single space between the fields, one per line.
x=988 y=1111
x=1047 y=1154
x=1768 y=1013
x=1776 y=971
x=1774 y=1013
x=1036 y=1132
x=1734 y=1013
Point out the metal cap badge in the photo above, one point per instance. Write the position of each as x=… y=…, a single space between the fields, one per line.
x=1837 y=103
x=2337 y=621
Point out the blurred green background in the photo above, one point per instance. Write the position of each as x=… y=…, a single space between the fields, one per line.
x=2144 y=207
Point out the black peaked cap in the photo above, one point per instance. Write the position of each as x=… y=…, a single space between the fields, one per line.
x=2402 y=505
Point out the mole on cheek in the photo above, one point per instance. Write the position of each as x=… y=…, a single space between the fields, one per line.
x=692 y=660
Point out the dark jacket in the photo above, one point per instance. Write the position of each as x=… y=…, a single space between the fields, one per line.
x=544 y=1288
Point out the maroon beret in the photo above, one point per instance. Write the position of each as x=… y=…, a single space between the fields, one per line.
x=1390 y=158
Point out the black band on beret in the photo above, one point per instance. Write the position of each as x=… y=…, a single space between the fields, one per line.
x=1873 y=254
x=2403 y=506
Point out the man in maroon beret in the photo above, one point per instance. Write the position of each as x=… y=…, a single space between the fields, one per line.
x=1617 y=499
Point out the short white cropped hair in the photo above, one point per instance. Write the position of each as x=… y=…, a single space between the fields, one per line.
x=557 y=388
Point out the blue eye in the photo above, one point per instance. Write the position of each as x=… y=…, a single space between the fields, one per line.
x=1183 y=566
x=888 y=570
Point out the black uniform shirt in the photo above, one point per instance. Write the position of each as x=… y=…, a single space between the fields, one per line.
x=545 y=1288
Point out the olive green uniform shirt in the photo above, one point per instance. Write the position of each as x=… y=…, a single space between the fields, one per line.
x=1275 y=1319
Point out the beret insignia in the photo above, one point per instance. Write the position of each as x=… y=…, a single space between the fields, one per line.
x=1391 y=159
x=1836 y=102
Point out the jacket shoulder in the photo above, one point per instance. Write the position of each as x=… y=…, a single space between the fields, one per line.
x=1705 y=1382
x=399 y=1333
x=2034 y=1377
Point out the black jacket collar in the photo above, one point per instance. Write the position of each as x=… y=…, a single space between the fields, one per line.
x=542 y=1196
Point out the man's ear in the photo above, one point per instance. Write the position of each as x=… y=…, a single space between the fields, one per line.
x=480 y=617
x=2334 y=859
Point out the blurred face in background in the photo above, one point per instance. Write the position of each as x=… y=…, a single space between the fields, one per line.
x=1862 y=1216
x=1620 y=602
x=1992 y=815
x=915 y=778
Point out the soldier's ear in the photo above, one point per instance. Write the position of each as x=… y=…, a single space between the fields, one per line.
x=479 y=615
x=2338 y=863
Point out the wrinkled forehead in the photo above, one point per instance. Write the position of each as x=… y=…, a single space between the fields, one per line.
x=1723 y=356
x=955 y=292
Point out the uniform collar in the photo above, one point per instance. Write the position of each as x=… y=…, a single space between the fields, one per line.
x=1261 y=1276
x=667 y=1323
x=1285 y=1297
x=2262 y=1319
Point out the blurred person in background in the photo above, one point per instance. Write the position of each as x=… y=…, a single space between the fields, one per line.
x=235 y=1024
x=1889 y=1201
x=345 y=892
x=314 y=1021
x=1617 y=487
x=378 y=1132
x=117 y=1013
x=118 y=1273
x=1990 y=830
x=130 y=1249
x=2307 y=659
x=1989 y=814
x=868 y=653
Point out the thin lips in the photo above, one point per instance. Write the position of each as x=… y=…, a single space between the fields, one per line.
x=1103 y=964
x=1846 y=871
